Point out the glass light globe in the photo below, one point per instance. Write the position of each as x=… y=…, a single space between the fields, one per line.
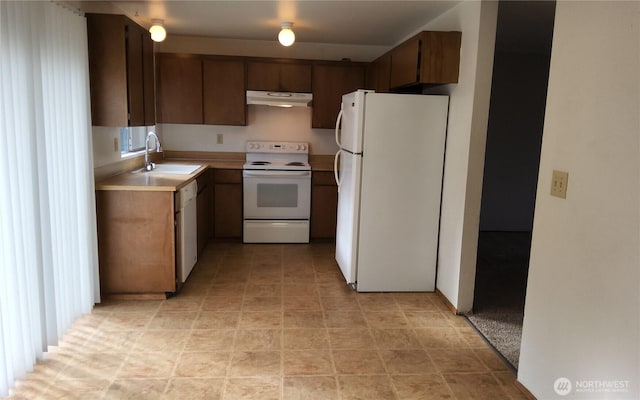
x=158 y=33
x=286 y=37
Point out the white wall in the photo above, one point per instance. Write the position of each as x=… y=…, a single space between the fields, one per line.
x=466 y=135
x=263 y=123
x=106 y=144
x=104 y=152
x=582 y=313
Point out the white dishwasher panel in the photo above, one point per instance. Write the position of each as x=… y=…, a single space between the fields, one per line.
x=187 y=232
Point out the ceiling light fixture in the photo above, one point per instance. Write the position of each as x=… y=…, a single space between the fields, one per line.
x=286 y=37
x=158 y=33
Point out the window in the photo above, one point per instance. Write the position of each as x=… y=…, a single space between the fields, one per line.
x=132 y=139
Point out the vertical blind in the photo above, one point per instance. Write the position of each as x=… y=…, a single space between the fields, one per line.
x=48 y=245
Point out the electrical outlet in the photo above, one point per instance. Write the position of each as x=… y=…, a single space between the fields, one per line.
x=559 y=180
x=219 y=138
x=116 y=145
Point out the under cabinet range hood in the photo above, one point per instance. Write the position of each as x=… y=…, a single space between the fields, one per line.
x=279 y=99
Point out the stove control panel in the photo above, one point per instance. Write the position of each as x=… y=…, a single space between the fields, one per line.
x=277 y=147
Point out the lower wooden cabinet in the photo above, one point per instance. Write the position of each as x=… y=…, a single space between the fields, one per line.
x=227 y=203
x=137 y=235
x=136 y=242
x=324 y=205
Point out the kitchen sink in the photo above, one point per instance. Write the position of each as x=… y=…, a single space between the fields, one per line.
x=170 y=169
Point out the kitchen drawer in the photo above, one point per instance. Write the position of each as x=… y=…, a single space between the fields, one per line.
x=228 y=176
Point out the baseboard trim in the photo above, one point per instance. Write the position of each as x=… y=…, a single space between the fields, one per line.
x=134 y=296
x=524 y=390
x=447 y=302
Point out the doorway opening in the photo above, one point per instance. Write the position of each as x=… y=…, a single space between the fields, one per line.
x=514 y=137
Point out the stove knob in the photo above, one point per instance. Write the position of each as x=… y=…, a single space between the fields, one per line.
x=303 y=147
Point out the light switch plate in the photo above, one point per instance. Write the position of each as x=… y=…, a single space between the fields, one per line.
x=559 y=180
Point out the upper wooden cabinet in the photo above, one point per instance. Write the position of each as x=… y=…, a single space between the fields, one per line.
x=211 y=89
x=148 y=72
x=379 y=73
x=224 y=92
x=427 y=58
x=120 y=72
x=201 y=90
x=279 y=76
x=330 y=82
x=179 y=89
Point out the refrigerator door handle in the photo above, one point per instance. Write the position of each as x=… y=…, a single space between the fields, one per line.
x=335 y=168
x=338 y=120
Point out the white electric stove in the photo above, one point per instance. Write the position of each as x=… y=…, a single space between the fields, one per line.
x=277 y=192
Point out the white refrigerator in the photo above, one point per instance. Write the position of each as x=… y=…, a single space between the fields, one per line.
x=389 y=189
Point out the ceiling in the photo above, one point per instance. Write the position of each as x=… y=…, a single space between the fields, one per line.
x=376 y=23
x=523 y=26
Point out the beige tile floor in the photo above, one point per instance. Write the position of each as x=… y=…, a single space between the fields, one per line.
x=271 y=322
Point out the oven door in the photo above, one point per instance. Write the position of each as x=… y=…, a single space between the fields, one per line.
x=277 y=194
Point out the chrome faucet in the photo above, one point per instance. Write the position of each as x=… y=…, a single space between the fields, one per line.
x=148 y=165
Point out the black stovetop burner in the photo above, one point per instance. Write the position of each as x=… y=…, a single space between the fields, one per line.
x=260 y=163
x=295 y=164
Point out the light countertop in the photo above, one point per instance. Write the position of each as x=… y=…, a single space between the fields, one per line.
x=140 y=181
x=152 y=182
